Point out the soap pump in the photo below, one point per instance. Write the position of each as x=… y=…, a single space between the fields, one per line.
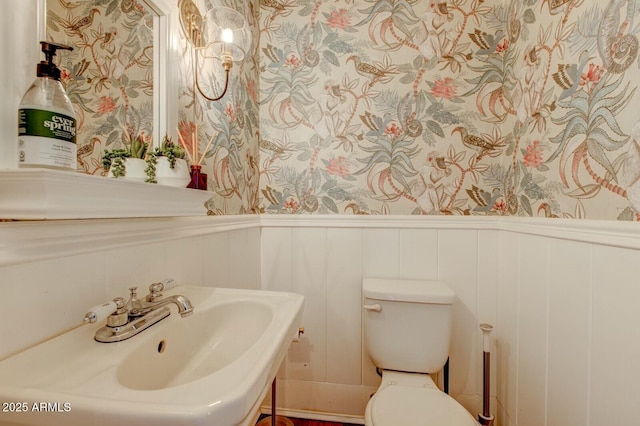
x=46 y=119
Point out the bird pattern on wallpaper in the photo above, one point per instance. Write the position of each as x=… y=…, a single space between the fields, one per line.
x=527 y=106
x=108 y=75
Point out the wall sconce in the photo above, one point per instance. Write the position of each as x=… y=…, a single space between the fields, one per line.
x=221 y=34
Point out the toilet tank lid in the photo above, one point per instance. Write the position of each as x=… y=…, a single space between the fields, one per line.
x=417 y=291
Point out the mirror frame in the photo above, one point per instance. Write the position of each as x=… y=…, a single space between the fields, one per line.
x=165 y=58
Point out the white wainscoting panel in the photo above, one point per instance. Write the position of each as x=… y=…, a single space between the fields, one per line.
x=568 y=332
x=343 y=308
x=42 y=299
x=568 y=345
x=327 y=263
x=381 y=253
x=277 y=259
x=134 y=266
x=243 y=270
x=186 y=257
x=562 y=296
x=418 y=254
x=215 y=255
x=532 y=329
x=614 y=369
x=488 y=261
x=506 y=328
x=53 y=272
x=307 y=357
x=458 y=268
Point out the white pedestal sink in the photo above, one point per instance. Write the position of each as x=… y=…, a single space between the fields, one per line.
x=212 y=368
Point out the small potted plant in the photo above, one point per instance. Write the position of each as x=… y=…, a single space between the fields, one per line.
x=166 y=165
x=127 y=162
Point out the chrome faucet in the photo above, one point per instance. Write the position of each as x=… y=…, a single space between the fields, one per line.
x=154 y=301
x=130 y=318
x=184 y=306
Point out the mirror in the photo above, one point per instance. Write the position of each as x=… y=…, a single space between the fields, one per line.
x=117 y=74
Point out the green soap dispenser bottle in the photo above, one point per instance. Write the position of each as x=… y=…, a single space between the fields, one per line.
x=46 y=119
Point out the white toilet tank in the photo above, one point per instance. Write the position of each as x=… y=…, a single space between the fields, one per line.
x=407 y=323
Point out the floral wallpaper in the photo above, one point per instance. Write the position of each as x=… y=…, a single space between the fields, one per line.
x=108 y=75
x=464 y=107
x=227 y=130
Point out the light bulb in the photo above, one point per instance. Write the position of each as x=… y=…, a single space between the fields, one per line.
x=227 y=35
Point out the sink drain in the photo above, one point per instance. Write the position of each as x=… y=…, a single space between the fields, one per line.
x=162 y=346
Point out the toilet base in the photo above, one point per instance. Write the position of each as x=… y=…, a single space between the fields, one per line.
x=413 y=398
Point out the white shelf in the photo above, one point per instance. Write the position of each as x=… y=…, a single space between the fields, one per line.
x=36 y=194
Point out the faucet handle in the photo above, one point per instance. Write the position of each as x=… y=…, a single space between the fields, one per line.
x=166 y=284
x=156 y=289
x=120 y=316
x=119 y=301
x=133 y=302
x=99 y=312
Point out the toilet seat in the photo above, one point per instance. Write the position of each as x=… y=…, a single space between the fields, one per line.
x=400 y=404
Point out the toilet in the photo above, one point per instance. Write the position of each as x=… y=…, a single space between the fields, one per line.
x=407 y=326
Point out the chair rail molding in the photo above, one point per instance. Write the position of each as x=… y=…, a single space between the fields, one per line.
x=611 y=233
x=25 y=241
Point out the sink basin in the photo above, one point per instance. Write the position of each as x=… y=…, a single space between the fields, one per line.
x=211 y=368
x=196 y=347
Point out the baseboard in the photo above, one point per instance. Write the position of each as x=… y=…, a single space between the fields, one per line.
x=315 y=415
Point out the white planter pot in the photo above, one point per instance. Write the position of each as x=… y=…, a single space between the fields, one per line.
x=133 y=169
x=178 y=176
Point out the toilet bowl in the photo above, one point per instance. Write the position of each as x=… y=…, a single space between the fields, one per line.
x=411 y=399
x=407 y=326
